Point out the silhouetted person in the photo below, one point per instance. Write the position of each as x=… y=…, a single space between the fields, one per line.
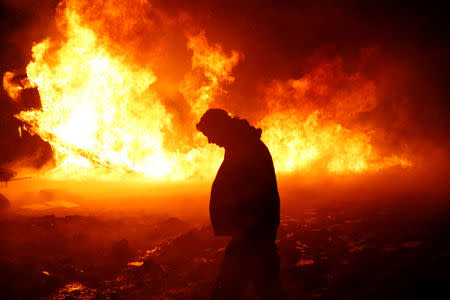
x=244 y=205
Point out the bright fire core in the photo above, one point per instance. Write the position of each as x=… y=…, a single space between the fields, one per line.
x=108 y=111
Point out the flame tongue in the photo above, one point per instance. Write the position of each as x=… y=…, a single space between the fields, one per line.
x=304 y=125
x=104 y=116
x=95 y=107
x=101 y=114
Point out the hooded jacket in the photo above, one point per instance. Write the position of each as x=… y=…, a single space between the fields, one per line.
x=244 y=196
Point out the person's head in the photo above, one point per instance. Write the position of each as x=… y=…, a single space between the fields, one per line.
x=225 y=131
x=214 y=125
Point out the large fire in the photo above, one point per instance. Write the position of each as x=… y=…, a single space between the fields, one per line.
x=106 y=114
x=308 y=126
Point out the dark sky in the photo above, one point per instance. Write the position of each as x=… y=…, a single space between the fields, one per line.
x=278 y=39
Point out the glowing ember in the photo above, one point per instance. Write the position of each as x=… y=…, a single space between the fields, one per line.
x=136 y=263
x=304 y=262
x=74 y=286
x=105 y=116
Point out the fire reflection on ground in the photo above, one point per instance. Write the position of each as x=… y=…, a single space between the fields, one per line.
x=344 y=250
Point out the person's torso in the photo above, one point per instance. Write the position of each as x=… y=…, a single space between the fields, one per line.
x=245 y=189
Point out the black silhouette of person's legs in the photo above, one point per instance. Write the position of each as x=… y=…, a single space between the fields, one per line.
x=267 y=277
x=238 y=271
x=233 y=278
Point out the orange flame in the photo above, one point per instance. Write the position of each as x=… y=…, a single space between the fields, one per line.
x=304 y=128
x=104 y=118
x=12 y=87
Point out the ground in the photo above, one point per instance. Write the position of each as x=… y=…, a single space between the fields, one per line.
x=339 y=251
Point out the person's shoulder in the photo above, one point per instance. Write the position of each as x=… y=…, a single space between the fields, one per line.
x=263 y=146
x=263 y=151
